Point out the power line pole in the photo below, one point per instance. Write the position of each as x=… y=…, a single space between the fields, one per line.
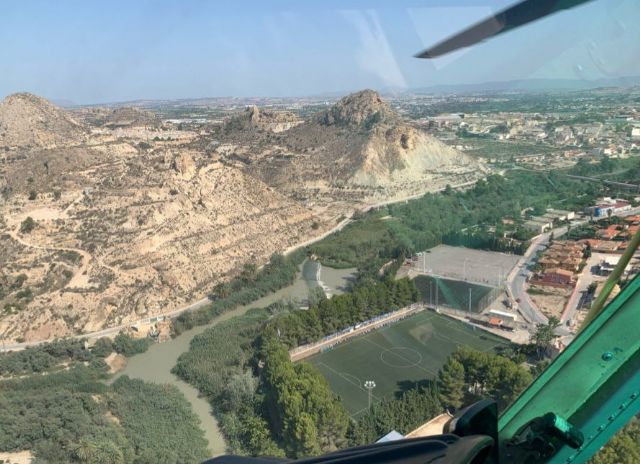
x=469 y=299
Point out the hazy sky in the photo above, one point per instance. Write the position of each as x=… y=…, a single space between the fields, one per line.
x=90 y=51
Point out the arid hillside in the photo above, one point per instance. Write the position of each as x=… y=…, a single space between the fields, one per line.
x=112 y=216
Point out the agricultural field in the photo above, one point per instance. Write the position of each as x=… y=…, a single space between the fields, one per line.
x=397 y=357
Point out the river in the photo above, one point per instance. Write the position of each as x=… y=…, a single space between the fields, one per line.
x=156 y=363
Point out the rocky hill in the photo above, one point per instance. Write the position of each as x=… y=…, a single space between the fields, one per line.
x=363 y=109
x=146 y=238
x=359 y=149
x=125 y=116
x=28 y=121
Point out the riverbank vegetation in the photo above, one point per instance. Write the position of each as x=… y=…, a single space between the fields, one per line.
x=66 y=353
x=249 y=286
x=72 y=416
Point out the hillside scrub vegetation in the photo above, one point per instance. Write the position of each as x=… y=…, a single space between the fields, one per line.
x=27 y=225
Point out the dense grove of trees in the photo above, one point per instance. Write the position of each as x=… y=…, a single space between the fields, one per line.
x=74 y=417
x=220 y=353
x=305 y=415
x=158 y=422
x=368 y=299
x=402 y=414
x=470 y=375
x=43 y=357
x=249 y=286
x=484 y=240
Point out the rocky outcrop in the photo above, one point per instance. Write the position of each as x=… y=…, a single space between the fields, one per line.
x=125 y=116
x=364 y=109
x=254 y=118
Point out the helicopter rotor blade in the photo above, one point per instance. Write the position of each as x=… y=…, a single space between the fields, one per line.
x=510 y=18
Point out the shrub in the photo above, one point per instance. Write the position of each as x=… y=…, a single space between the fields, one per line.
x=27 y=225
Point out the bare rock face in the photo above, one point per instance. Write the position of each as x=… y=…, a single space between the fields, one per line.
x=28 y=121
x=361 y=109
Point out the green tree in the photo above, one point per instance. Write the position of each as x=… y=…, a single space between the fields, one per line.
x=102 y=348
x=305 y=435
x=316 y=295
x=451 y=383
x=85 y=450
x=222 y=290
x=129 y=346
x=544 y=336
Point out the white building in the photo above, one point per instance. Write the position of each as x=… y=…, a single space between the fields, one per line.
x=503 y=315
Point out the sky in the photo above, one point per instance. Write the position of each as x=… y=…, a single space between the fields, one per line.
x=97 y=52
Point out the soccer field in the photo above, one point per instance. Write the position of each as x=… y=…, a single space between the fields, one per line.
x=396 y=357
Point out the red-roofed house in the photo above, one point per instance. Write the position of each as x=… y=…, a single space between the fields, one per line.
x=608 y=233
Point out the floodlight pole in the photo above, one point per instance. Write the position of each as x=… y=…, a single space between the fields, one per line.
x=369 y=385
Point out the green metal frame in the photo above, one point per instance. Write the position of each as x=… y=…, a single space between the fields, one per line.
x=594 y=383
